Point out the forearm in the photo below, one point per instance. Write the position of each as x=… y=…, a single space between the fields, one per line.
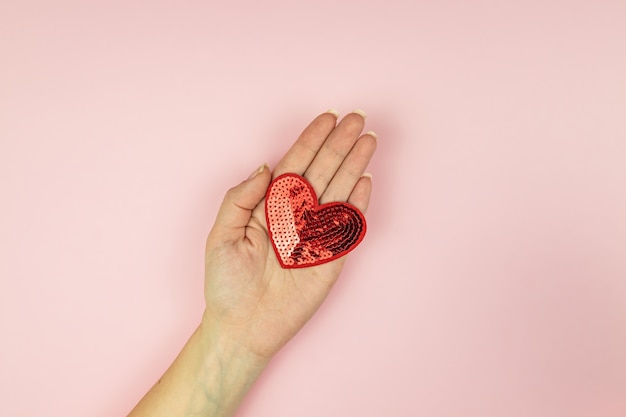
x=209 y=378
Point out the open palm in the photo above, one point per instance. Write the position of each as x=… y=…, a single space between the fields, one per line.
x=249 y=296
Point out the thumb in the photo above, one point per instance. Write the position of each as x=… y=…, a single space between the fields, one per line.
x=236 y=209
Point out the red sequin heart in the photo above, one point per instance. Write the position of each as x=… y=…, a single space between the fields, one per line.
x=304 y=233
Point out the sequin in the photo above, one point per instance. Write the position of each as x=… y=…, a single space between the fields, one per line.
x=304 y=233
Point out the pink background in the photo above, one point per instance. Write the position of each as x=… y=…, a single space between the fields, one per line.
x=492 y=281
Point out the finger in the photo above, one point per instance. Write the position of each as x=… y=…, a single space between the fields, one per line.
x=334 y=150
x=303 y=151
x=351 y=170
x=360 y=196
x=236 y=209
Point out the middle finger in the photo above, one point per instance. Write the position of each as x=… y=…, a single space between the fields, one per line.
x=334 y=151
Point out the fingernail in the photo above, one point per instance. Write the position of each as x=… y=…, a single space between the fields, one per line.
x=333 y=112
x=257 y=171
x=368 y=175
x=361 y=112
x=372 y=134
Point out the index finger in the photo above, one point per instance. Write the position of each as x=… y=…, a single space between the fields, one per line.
x=303 y=151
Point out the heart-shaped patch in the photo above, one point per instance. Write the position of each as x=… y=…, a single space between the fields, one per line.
x=304 y=233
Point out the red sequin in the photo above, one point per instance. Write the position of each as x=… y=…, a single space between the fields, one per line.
x=304 y=233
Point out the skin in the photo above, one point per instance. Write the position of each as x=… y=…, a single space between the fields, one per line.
x=253 y=306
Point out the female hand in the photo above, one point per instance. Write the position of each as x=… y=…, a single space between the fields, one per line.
x=253 y=305
x=250 y=298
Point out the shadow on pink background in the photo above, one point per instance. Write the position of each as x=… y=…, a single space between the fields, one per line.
x=492 y=281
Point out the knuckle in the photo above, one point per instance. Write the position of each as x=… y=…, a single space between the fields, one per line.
x=230 y=193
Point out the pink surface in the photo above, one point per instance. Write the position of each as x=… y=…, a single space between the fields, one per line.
x=492 y=281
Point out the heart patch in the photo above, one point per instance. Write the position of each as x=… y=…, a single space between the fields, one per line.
x=304 y=233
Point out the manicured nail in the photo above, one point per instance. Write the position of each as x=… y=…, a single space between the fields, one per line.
x=333 y=111
x=257 y=171
x=368 y=175
x=361 y=112
x=372 y=134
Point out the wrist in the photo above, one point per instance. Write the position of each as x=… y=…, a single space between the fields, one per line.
x=224 y=342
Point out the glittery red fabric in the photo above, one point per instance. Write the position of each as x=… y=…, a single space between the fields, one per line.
x=304 y=233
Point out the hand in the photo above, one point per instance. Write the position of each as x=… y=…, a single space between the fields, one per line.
x=253 y=306
x=250 y=299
